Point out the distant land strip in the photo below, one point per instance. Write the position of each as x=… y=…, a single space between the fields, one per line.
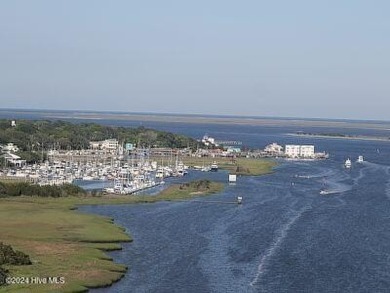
x=343 y=136
x=201 y=119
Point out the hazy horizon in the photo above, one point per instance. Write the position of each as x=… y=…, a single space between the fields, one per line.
x=323 y=60
x=119 y=112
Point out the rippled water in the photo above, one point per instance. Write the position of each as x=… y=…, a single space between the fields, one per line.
x=285 y=237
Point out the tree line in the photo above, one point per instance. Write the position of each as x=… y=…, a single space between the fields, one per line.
x=27 y=189
x=35 y=137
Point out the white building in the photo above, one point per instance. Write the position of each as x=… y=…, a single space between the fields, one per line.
x=274 y=149
x=209 y=141
x=10 y=147
x=299 y=151
x=95 y=145
x=307 y=151
x=14 y=159
x=108 y=145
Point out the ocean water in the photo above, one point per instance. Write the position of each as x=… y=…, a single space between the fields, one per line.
x=285 y=237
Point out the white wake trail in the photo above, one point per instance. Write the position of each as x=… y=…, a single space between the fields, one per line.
x=270 y=252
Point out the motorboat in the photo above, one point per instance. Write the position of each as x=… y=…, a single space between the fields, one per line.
x=348 y=163
x=360 y=159
x=214 y=167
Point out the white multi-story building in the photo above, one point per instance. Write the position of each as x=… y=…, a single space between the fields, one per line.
x=299 y=151
x=291 y=150
x=108 y=144
x=307 y=151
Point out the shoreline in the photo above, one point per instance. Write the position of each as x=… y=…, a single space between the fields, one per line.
x=93 y=235
x=81 y=239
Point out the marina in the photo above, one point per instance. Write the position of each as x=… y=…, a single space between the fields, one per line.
x=118 y=176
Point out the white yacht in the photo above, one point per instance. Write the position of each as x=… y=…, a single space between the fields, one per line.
x=360 y=159
x=348 y=163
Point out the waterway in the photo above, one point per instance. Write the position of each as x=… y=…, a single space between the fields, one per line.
x=285 y=237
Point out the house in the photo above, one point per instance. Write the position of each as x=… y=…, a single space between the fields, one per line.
x=233 y=150
x=13 y=159
x=208 y=141
x=273 y=149
x=10 y=147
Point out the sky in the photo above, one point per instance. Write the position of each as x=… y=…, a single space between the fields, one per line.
x=311 y=59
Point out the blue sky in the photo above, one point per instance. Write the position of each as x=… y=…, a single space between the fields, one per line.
x=326 y=59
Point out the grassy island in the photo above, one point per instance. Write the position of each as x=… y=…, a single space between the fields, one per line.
x=239 y=166
x=63 y=242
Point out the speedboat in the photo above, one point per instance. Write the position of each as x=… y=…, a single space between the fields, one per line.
x=214 y=167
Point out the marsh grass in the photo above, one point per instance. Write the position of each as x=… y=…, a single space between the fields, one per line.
x=64 y=242
x=239 y=166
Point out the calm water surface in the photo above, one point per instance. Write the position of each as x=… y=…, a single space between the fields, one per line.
x=285 y=237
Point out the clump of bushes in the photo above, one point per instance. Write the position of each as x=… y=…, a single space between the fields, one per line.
x=13 y=257
x=199 y=185
x=240 y=169
x=28 y=189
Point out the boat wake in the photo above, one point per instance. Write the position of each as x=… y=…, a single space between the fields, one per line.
x=325 y=173
x=270 y=252
x=334 y=183
x=374 y=167
x=388 y=183
x=337 y=187
x=360 y=176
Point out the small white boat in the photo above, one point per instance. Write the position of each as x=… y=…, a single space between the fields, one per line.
x=214 y=167
x=360 y=159
x=206 y=169
x=348 y=163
